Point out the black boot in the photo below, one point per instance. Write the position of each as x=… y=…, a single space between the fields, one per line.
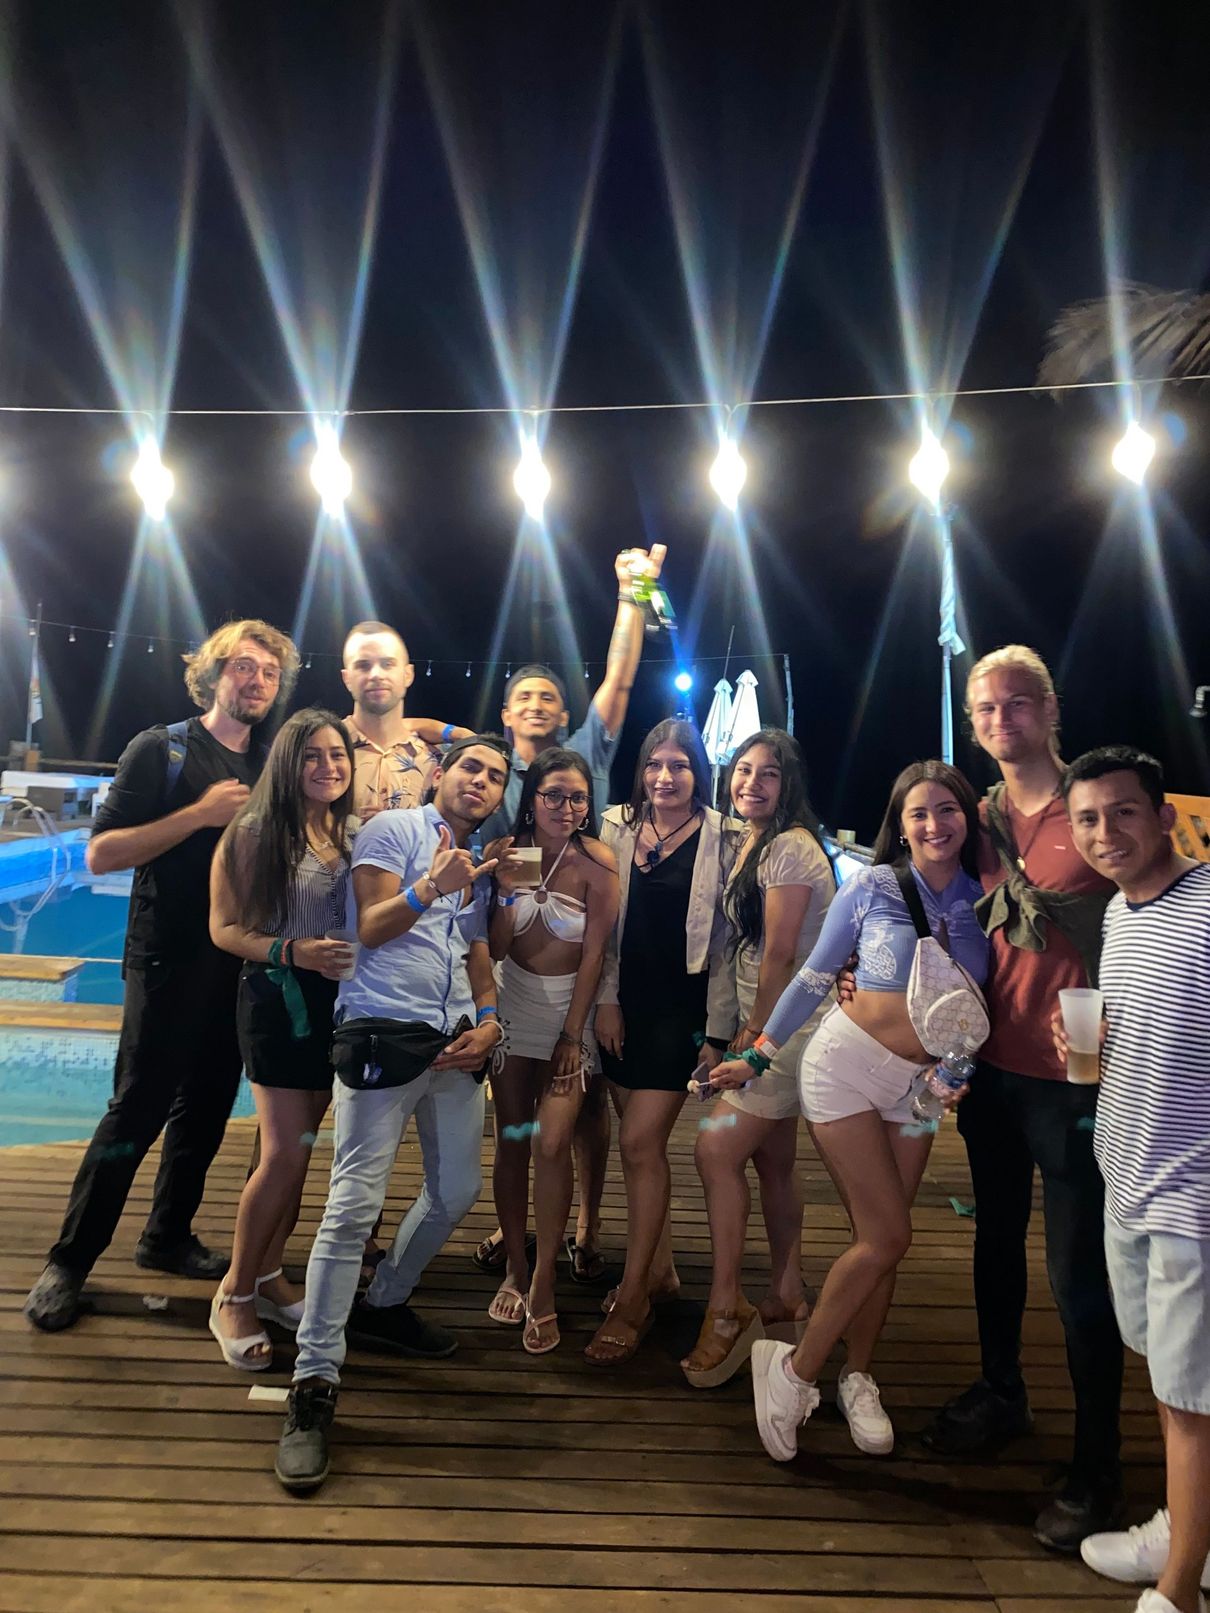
x=978 y=1421
x=1081 y=1508
x=398 y=1328
x=302 y=1450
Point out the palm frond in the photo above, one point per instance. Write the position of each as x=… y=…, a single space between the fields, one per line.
x=1160 y=334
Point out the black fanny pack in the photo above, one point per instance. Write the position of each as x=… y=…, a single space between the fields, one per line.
x=371 y=1054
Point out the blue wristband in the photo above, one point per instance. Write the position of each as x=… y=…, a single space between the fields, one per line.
x=447 y=733
x=486 y=1013
x=413 y=901
x=506 y=901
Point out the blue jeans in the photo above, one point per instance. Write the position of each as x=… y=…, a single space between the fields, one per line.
x=448 y=1106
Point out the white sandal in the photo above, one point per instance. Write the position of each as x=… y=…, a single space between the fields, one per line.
x=236 y=1352
x=287 y=1316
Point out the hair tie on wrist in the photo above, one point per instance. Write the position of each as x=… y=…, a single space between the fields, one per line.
x=413 y=901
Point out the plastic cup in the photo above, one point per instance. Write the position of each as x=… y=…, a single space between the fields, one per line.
x=530 y=859
x=1082 y=1008
x=349 y=939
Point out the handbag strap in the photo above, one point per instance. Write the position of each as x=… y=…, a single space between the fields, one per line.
x=911 y=896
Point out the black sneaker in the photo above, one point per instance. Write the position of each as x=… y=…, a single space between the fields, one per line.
x=302 y=1450
x=188 y=1259
x=978 y=1421
x=1079 y=1510
x=54 y=1301
x=398 y=1328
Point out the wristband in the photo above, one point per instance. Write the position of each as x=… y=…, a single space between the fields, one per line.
x=413 y=901
x=506 y=901
x=767 y=1047
x=720 y=1044
x=490 y=1010
x=287 y=954
x=447 y=733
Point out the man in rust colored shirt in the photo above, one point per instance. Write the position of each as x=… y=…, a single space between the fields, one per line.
x=1021 y=1114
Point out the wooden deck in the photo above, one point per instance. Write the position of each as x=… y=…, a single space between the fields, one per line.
x=137 y=1474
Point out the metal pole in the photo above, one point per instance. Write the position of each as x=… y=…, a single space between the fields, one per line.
x=785 y=664
x=947 y=707
x=34 y=670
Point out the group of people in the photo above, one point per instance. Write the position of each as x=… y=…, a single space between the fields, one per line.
x=417 y=909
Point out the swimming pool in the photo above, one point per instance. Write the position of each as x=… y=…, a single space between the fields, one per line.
x=55 y=1083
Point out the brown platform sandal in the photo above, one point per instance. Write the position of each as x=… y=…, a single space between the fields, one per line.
x=723 y=1345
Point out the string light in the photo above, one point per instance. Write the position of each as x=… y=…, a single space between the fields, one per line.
x=71 y=635
x=729 y=472
x=1133 y=453
x=331 y=475
x=428 y=671
x=307 y=667
x=151 y=646
x=152 y=480
x=33 y=631
x=468 y=669
x=929 y=467
x=531 y=479
x=109 y=646
x=586 y=671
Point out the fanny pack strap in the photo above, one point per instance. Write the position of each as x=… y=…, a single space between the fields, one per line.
x=915 y=907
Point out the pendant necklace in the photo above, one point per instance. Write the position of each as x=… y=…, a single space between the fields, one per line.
x=657 y=851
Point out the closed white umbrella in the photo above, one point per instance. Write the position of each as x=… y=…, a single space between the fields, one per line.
x=718 y=726
x=745 y=714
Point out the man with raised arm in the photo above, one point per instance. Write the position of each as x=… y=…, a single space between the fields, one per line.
x=178 y=1065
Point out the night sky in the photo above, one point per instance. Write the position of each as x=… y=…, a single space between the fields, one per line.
x=595 y=204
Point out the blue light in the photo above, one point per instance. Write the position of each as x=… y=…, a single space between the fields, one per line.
x=683 y=682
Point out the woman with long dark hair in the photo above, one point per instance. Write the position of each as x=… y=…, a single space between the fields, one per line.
x=774 y=903
x=674 y=853
x=277 y=884
x=858 y=1077
x=551 y=944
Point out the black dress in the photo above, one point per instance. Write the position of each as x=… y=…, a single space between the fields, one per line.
x=663 y=1007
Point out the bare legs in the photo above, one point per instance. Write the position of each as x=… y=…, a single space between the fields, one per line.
x=268 y=1206
x=876 y=1168
x=1187 y=1455
x=557 y=1116
x=722 y=1154
x=514 y=1096
x=592 y=1159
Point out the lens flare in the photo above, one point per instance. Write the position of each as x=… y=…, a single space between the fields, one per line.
x=1133 y=453
x=331 y=476
x=929 y=467
x=728 y=473
x=531 y=478
x=152 y=480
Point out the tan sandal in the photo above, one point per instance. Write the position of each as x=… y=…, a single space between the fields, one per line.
x=532 y=1325
x=719 y=1353
x=503 y=1302
x=622 y=1349
x=783 y=1327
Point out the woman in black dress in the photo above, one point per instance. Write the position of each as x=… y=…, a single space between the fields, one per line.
x=665 y=985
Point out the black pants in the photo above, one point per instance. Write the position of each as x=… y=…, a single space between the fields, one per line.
x=1010 y=1124
x=177 y=1071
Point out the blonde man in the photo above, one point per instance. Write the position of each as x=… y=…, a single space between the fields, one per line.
x=176 y=789
x=1042 y=908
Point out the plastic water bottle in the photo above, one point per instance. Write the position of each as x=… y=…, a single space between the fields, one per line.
x=952 y=1071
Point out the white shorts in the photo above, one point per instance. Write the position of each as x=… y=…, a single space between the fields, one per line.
x=532 y=1010
x=844 y=1071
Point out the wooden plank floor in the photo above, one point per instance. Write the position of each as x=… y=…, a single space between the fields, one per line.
x=136 y=1473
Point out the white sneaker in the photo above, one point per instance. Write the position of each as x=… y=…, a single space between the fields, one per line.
x=1135 y=1556
x=782 y=1404
x=1155 y=1602
x=861 y=1407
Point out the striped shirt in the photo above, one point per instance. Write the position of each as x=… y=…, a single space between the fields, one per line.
x=1152 y=1137
x=315 y=898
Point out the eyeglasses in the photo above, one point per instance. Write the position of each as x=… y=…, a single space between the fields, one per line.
x=554 y=799
x=245 y=667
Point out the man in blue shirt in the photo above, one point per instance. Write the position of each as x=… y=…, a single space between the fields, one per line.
x=420 y=905
x=535 y=700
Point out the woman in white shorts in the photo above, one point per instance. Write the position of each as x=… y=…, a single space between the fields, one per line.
x=858 y=1077
x=551 y=943
x=774 y=902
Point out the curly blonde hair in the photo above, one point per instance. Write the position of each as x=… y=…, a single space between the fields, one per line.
x=1022 y=659
x=204 y=666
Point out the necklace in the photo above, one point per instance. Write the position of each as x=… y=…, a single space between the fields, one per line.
x=1023 y=851
x=657 y=851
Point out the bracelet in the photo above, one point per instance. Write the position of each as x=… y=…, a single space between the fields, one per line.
x=447 y=733
x=287 y=954
x=438 y=893
x=499 y=1027
x=506 y=901
x=626 y=597
x=758 y=1061
x=275 y=952
x=566 y=1036
x=488 y=1009
x=413 y=901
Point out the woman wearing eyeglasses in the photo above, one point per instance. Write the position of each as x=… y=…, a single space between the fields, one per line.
x=549 y=929
x=665 y=960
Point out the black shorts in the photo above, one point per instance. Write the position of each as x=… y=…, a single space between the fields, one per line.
x=272 y=1055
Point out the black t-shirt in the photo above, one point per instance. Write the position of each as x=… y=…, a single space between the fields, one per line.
x=170 y=898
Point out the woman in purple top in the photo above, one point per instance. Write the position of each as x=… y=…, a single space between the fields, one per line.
x=858 y=1076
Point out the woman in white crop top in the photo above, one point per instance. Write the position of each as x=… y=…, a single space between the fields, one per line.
x=551 y=944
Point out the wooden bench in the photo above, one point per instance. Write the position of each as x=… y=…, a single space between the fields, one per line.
x=1192 y=829
x=30 y=978
x=59 y=1016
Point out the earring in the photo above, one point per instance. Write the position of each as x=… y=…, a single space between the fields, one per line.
x=529 y=816
x=903 y=840
x=584 y=821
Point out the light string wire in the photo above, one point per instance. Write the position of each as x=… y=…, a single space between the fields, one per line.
x=609 y=408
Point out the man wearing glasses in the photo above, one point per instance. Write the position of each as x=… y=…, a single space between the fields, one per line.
x=178 y=1061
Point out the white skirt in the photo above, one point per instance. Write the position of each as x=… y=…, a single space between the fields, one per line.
x=532 y=1010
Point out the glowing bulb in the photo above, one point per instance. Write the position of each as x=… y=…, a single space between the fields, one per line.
x=531 y=478
x=728 y=473
x=331 y=476
x=1132 y=455
x=152 y=479
x=683 y=682
x=929 y=467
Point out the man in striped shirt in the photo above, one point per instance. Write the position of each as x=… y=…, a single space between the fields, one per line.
x=1152 y=1142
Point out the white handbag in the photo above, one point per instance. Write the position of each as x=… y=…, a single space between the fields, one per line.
x=945 y=1006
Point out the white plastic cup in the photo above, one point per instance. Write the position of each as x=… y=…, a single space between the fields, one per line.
x=530 y=859
x=1082 y=1008
x=347 y=938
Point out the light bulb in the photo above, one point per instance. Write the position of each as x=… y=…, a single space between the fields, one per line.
x=1133 y=453
x=728 y=473
x=929 y=467
x=331 y=475
x=531 y=479
x=152 y=479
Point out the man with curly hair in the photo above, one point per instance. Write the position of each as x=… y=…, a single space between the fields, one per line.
x=178 y=1063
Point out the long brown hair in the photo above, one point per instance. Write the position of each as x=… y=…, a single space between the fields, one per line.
x=887 y=848
x=261 y=862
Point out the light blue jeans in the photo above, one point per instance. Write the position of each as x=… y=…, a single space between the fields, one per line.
x=448 y=1106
